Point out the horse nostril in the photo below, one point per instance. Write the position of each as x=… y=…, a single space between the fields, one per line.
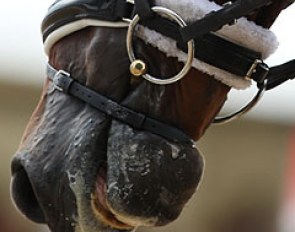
x=23 y=193
x=149 y=178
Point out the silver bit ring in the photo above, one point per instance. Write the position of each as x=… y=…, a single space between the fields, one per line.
x=190 y=44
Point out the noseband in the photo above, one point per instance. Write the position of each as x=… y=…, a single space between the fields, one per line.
x=198 y=39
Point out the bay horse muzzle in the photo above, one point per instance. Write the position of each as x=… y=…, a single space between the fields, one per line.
x=141 y=180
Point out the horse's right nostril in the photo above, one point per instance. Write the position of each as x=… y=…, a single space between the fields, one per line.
x=23 y=193
x=149 y=180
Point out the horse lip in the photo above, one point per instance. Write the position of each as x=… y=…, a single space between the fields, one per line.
x=100 y=206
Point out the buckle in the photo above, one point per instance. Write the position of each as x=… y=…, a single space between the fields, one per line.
x=252 y=69
x=61 y=81
x=258 y=71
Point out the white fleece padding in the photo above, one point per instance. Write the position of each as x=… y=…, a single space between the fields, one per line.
x=244 y=33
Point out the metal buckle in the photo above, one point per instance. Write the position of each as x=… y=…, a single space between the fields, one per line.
x=175 y=17
x=253 y=69
x=57 y=80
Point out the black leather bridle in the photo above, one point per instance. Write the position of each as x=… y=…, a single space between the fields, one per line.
x=249 y=63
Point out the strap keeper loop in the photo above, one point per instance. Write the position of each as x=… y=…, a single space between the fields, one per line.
x=62 y=81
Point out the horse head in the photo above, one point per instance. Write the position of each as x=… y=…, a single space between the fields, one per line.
x=79 y=169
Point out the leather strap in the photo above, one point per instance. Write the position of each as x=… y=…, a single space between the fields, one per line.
x=65 y=12
x=65 y=83
x=216 y=51
x=143 y=9
x=216 y=19
x=280 y=74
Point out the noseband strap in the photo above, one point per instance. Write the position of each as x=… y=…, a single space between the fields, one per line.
x=63 y=82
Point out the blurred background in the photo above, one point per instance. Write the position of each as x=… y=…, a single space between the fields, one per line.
x=248 y=183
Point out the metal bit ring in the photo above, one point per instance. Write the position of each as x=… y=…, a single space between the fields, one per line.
x=190 y=55
x=243 y=110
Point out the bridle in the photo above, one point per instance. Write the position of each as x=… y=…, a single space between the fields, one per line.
x=250 y=64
